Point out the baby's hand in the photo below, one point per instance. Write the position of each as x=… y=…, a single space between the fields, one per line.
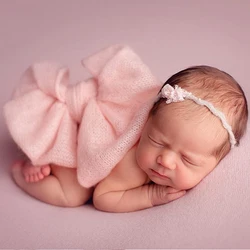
x=162 y=194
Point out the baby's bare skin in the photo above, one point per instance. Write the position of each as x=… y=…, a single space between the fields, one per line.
x=33 y=173
x=125 y=183
x=59 y=188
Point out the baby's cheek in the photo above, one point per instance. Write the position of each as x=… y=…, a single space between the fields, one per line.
x=144 y=161
x=186 y=182
x=139 y=157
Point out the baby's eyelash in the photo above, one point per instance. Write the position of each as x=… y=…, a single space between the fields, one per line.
x=188 y=161
x=155 y=141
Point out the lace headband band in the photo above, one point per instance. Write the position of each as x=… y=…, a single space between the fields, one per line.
x=178 y=94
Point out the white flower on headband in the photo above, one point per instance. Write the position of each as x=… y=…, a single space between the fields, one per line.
x=176 y=94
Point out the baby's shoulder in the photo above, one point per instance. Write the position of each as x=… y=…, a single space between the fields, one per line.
x=129 y=169
x=124 y=176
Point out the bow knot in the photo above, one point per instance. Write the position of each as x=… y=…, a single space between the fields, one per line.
x=78 y=96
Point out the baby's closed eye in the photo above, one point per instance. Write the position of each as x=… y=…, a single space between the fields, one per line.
x=155 y=142
x=190 y=161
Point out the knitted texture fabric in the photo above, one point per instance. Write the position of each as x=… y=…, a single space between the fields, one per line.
x=89 y=125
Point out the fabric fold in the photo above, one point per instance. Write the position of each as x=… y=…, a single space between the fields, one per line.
x=90 y=125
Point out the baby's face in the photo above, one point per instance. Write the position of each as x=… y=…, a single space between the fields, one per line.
x=177 y=152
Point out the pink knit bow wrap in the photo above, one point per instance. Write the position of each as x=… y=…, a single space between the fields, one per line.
x=90 y=125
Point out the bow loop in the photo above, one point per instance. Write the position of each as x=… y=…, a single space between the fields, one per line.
x=112 y=122
x=52 y=78
x=38 y=118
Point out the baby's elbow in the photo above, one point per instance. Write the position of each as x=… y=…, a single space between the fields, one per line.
x=107 y=201
x=97 y=202
x=102 y=203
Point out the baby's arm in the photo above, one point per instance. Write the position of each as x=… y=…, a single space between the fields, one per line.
x=126 y=190
x=116 y=194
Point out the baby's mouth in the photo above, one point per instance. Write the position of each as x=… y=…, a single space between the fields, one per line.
x=158 y=174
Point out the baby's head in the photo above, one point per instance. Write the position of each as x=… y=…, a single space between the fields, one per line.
x=188 y=139
x=218 y=88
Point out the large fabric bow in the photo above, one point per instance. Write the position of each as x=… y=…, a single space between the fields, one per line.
x=90 y=125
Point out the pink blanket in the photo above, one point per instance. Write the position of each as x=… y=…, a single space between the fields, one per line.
x=91 y=124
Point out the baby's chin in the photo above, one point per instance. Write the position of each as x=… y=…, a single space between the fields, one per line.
x=177 y=186
x=160 y=181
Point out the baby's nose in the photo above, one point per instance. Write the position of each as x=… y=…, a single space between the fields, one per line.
x=167 y=160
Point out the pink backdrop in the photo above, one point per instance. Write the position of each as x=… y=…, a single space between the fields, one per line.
x=169 y=36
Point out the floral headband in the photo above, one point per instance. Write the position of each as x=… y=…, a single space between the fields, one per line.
x=177 y=94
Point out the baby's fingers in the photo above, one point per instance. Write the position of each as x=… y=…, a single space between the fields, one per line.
x=171 y=190
x=174 y=196
x=162 y=194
